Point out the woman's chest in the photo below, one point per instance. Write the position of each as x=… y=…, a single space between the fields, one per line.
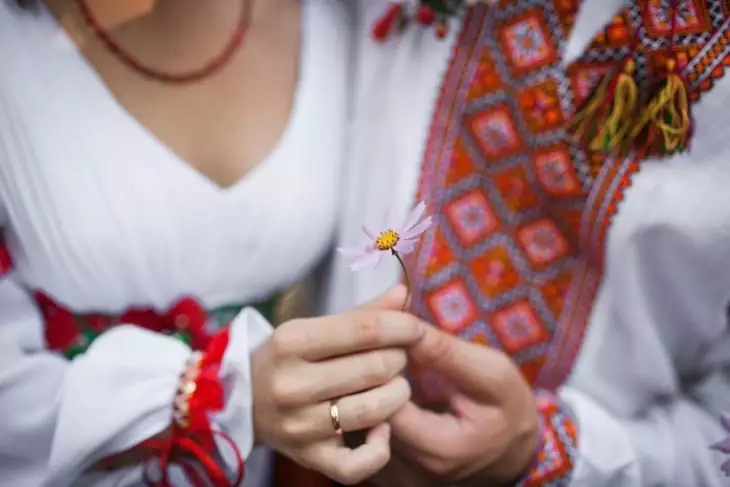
x=99 y=214
x=137 y=225
x=225 y=124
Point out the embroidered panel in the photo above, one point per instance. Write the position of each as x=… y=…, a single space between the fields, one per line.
x=72 y=334
x=558 y=448
x=522 y=212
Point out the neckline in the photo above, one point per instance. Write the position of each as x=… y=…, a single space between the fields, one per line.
x=171 y=158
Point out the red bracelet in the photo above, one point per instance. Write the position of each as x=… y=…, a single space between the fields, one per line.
x=191 y=445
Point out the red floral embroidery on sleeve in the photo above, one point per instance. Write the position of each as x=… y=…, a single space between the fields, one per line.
x=559 y=445
x=62 y=329
x=6 y=262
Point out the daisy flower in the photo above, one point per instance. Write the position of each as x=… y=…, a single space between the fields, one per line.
x=396 y=240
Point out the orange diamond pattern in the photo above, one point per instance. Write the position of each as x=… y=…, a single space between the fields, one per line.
x=521 y=212
x=511 y=205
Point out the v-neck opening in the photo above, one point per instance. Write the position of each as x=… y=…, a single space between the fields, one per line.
x=173 y=158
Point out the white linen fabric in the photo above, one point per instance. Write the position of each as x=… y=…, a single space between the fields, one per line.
x=653 y=373
x=101 y=216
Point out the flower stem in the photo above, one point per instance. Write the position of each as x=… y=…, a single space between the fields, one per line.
x=405 y=277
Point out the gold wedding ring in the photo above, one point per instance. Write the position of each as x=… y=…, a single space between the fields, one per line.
x=335 y=416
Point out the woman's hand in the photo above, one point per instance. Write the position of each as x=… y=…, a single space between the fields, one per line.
x=490 y=434
x=355 y=358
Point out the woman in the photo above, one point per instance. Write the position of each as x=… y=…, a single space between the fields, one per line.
x=158 y=161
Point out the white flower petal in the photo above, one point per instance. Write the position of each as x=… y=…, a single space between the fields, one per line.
x=379 y=254
x=414 y=216
x=418 y=229
x=372 y=235
x=405 y=247
x=353 y=252
x=371 y=259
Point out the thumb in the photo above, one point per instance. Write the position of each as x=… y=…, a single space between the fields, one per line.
x=392 y=299
x=474 y=369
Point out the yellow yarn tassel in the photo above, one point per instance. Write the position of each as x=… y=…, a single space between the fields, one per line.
x=605 y=121
x=612 y=134
x=580 y=126
x=667 y=119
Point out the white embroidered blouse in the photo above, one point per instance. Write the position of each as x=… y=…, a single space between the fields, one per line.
x=101 y=216
x=653 y=373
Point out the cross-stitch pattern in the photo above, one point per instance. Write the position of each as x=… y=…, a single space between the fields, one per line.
x=520 y=210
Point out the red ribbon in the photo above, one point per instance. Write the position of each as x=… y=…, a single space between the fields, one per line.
x=192 y=446
x=197 y=463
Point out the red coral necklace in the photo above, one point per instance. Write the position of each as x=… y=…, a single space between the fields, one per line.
x=194 y=75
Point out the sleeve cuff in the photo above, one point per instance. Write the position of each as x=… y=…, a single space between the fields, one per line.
x=133 y=375
x=557 y=453
x=607 y=456
x=247 y=332
x=126 y=381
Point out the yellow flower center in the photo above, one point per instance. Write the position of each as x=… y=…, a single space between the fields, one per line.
x=387 y=240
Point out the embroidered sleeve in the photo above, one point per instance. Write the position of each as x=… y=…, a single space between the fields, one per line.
x=123 y=380
x=192 y=443
x=558 y=449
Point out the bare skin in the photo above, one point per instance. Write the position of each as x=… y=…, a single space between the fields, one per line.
x=225 y=125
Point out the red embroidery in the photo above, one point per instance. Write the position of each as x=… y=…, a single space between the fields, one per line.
x=6 y=262
x=187 y=315
x=521 y=211
x=62 y=329
x=558 y=448
x=72 y=334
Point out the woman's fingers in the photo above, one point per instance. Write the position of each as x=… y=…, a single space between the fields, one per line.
x=351 y=466
x=356 y=412
x=480 y=371
x=356 y=357
x=367 y=409
x=307 y=384
x=354 y=373
x=321 y=338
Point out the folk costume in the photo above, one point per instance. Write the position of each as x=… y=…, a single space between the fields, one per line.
x=575 y=159
x=119 y=262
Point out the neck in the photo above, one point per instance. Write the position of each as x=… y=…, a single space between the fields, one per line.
x=167 y=30
x=172 y=15
x=179 y=14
